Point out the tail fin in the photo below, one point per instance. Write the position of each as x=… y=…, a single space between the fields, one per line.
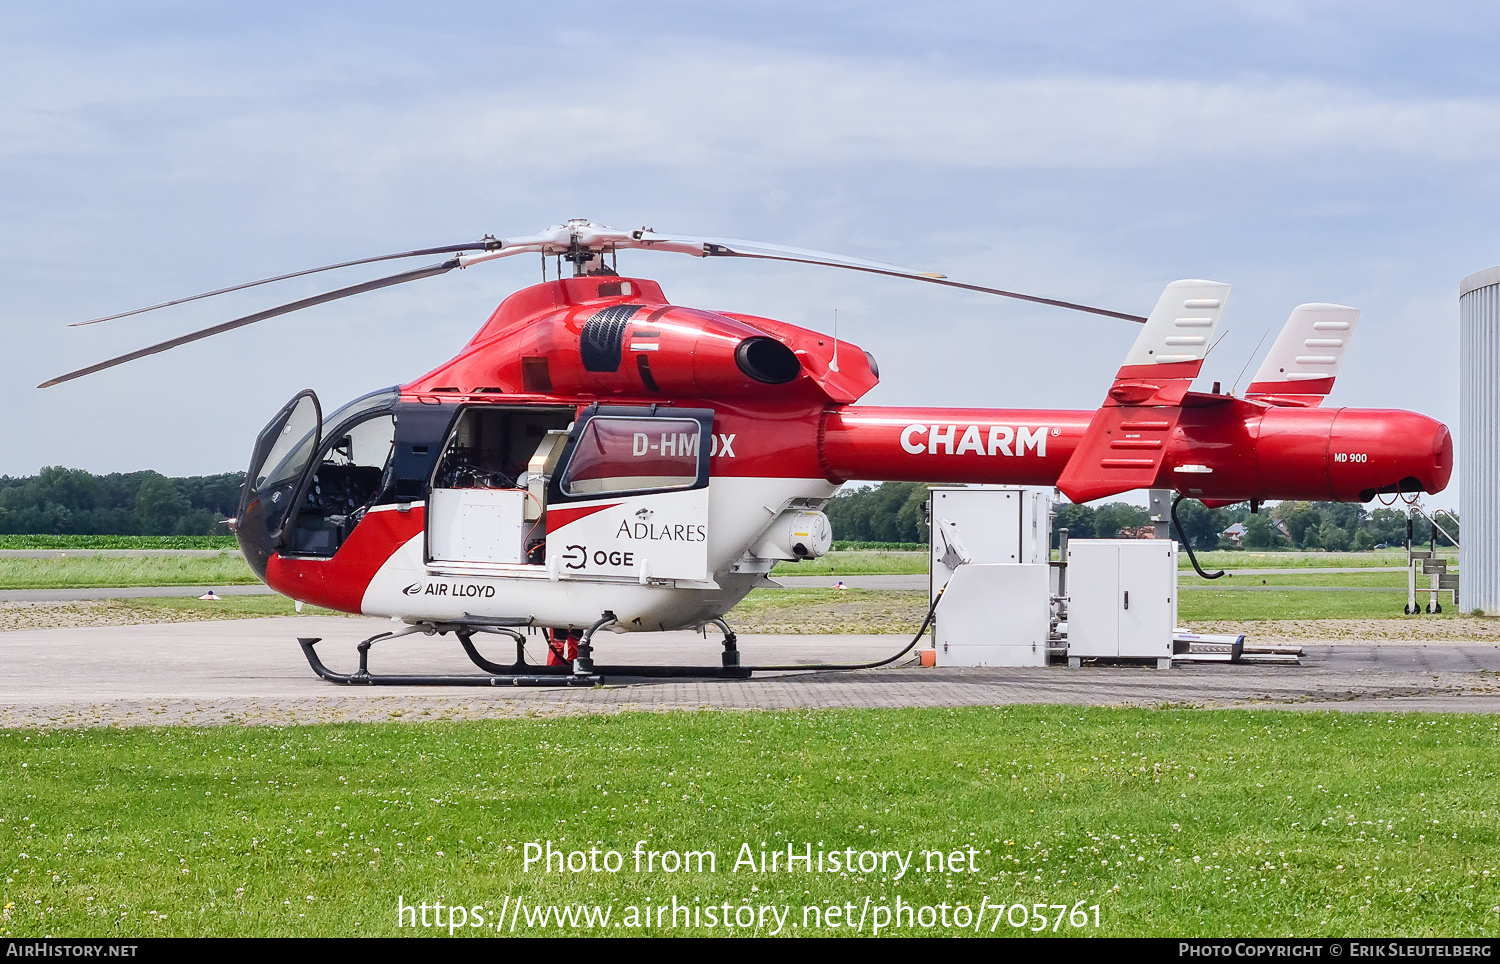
x=1169 y=351
x=1127 y=438
x=1304 y=361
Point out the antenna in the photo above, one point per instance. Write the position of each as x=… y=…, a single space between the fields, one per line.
x=1215 y=345
x=834 y=365
x=1237 y=378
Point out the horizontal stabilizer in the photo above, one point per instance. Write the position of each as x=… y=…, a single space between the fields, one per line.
x=1122 y=450
x=1126 y=441
x=1304 y=361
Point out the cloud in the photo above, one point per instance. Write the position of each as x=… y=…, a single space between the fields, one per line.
x=736 y=110
x=151 y=164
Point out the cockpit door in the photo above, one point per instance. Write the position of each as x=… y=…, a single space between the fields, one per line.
x=631 y=496
x=282 y=454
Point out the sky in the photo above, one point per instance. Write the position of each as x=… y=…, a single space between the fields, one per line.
x=1341 y=152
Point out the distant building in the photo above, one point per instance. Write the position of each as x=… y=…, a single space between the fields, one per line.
x=1234 y=533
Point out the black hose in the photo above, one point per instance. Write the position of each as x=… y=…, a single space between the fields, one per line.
x=1188 y=545
x=921 y=630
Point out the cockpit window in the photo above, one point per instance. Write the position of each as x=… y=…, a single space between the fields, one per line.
x=348 y=479
x=289 y=455
x=373 y=402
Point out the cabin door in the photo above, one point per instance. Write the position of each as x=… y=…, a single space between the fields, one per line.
x=283 y=451
x=488 y=494
x=630 y=497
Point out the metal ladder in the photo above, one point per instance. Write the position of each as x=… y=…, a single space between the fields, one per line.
x=1427 y=563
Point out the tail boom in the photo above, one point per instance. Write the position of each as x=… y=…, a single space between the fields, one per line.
x=1231 y=450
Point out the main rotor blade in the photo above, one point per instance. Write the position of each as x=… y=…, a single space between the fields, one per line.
x=794 y=255
x=386 y=282
x=733 y=248
x=485 y=245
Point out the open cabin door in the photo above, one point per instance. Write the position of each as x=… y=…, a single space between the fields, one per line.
x=488 y=493
x=282 y=454
x=630 y=496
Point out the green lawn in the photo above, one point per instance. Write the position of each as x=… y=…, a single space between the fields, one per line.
x=225 y=569
x=230 y=569
x=1203 y=604
x=859 y=611
x=856 y=562
x=1302 y=577
x=1246 y=559
x=1171 y=822
x=901 y=611
x=851 y=563
x=117 y=542
x=172 y=608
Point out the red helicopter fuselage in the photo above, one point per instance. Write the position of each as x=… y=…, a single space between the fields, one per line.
x=768 y=411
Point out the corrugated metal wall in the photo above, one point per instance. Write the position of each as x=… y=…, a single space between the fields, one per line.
x=1479 y=440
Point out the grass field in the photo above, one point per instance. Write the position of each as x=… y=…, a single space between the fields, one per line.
x=1169 y=822
x=829 y=611
x=117 y=542
x=1245 y=559
x=226 y=569
x=1302 y=577
x=798 y=611
x=851 y=563
x=856 y=562
x=901 y=611
x=1209 y=604
x=125 y=612
x=230 y=569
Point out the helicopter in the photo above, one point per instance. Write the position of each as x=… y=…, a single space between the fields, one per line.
x=597 y=457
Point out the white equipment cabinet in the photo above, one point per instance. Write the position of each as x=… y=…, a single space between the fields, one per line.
x=994 y=615
x=1122 y=599
x=476 y=525
x=990 y=548
x=988 y=524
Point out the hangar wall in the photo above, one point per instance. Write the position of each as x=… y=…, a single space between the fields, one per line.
x=1479 y=439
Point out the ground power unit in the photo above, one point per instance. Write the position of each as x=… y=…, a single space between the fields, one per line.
x=990 y=549
x=1121 y=599
x=1006 y=603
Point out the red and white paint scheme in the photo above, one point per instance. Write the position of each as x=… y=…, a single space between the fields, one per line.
x=667 y=449
x=595 y=449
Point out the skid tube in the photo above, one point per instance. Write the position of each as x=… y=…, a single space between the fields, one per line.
x=579 y=672
x=729 y=669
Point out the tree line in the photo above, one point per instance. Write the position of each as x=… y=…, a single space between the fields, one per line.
x=59 y=501
x=893 y=512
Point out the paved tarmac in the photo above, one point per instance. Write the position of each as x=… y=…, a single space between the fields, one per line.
x=252 y=672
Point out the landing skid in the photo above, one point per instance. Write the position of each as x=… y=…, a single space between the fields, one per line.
x=582 y=671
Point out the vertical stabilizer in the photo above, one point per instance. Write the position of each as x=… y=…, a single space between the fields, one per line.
x=1127 y=438
x=1304 y=361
